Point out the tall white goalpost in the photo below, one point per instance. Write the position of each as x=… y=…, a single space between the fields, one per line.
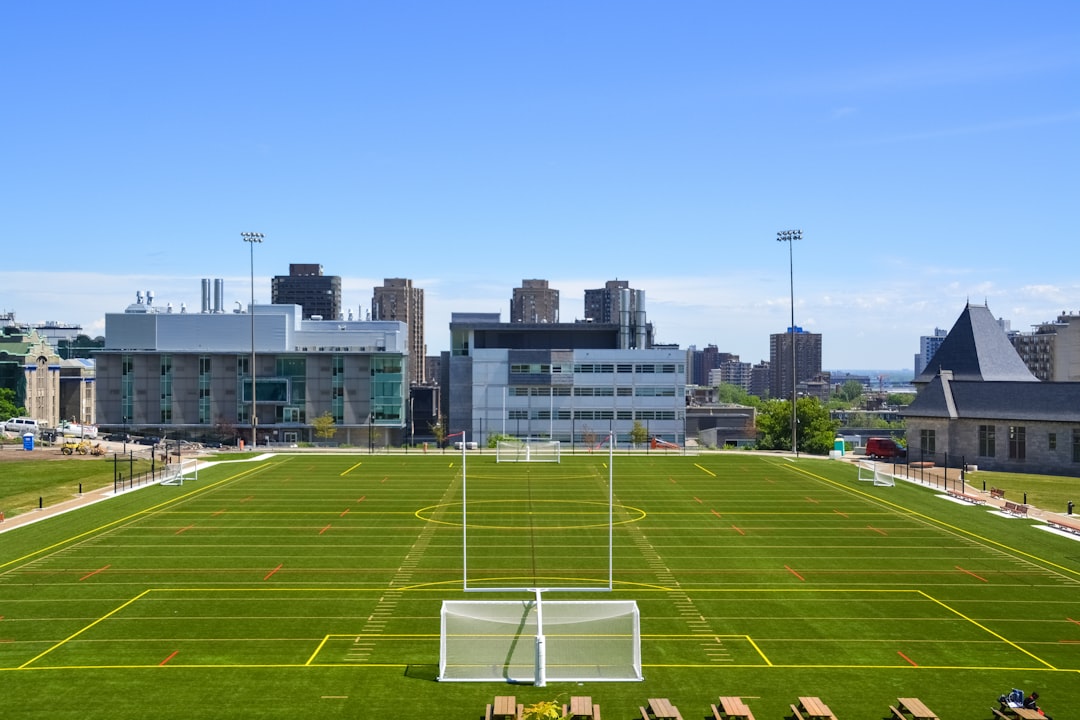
x=572 y=640
x=528 y=451
x=869 y=472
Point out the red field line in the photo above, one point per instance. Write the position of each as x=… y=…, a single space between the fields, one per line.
x=88 y=575
x=249 y=497
x=697 y=499
x=383 y=480
x=882 y=532
x=219 y=512
x=968 y=572
x=324 y=529
x=912 y=662
x=362 y=497
x=716 y=513
x=269 y=574
x=184 y=529
x=843 y=515
x=812 y=500
x=737 y=530
x=174 y=654
x=795 y=573
x=1068 y=618
x=344 y=512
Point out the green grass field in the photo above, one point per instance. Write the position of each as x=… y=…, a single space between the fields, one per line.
x=310 y=586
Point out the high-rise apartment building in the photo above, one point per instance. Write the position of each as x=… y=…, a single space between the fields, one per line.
x=534 y=302
x=397 y=299
x=807 y=360
x=319 y=295
x=928 y=345
x=603 y=305
x=1052 y=350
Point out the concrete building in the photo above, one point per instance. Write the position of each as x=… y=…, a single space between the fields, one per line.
x=319 y=295
x=190 y=375
x=30 y=367
x=807 y=360
x=573 y=382
x=1052 y=350
x=397 y=300
x=534 y=302
x=978 y=403
x=928 y=345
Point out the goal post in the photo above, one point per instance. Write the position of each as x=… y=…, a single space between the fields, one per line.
x=869 y=472
x=528 y=451
x=175 y=472
x=540 y=640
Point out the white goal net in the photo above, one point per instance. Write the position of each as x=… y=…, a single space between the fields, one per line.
x=175 y=472
x=869 y=472
x=527 y=451
x=507 y=641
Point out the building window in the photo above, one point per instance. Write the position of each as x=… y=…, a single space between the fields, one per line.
x=927 y=441
x=1017 y=442
x=1076 y=446
x=986 y=441
x=1051 y=441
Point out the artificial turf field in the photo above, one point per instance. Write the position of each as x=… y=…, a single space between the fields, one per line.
x=310 y=586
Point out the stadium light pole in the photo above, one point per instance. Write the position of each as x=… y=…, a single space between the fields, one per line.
x=790 y=236
x=251 y=238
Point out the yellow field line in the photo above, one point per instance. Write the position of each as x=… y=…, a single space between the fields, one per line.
x=84 y=629
x=706 y=470
x=350 y=469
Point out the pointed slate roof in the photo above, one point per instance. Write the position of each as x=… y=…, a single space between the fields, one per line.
x=977 y=349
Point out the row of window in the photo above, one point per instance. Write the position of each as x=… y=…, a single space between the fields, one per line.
x=603 y=391
x=1017 y=442
x=592 y=415
x=565 y=368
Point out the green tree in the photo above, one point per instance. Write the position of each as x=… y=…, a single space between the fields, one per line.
x=325 y=427
x=495 y=438
x=850 y=391
x=899 y=399
x=727 y=393
x=639 y=435
x=815 y=430
x=439 y=431
x=8 y=408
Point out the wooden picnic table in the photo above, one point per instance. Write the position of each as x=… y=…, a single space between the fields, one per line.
x=661 y=709
x=505 y=708
x=814 y=708
x=581 y=707
x=916 y=709
x=732 y=708
x=1026 y=713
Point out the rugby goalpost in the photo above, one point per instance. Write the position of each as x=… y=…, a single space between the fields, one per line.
x=482 y=640
x=869 y=472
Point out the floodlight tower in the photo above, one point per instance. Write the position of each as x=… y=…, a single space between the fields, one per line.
x=790 y=236
x=251 y=238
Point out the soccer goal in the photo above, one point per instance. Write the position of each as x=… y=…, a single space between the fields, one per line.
x=868 y=472
x=539 y=640
x=174 y=473
x=528 y=451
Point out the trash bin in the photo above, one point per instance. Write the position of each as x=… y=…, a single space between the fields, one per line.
x=28 y=441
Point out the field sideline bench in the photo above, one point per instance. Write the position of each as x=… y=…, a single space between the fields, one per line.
x=997 y=493
x=974 y=500
x=1017 y=509
x=1062 y=524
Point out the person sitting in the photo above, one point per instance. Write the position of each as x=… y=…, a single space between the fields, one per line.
x=1031 y=703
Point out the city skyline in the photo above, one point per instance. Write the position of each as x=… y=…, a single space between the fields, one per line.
x=927 y=152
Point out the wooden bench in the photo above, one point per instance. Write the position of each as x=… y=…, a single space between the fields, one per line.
x=910 y=708
x=1017 y=509
x=974 y=500
x=1062 y=524
x=659 y=709
x=997 y=493
x=999 y=714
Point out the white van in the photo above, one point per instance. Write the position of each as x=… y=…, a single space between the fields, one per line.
x=22 y=425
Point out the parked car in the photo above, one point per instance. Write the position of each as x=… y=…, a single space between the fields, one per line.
x=881 y=447
x=148 y=440
x=118 y=437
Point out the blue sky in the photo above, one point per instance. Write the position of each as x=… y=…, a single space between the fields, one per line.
x=928 y=151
